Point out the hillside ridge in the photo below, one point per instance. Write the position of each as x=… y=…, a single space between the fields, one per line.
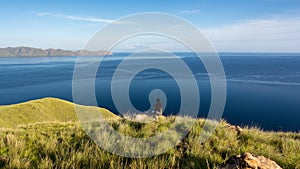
x=31 y=52
x=47 y=109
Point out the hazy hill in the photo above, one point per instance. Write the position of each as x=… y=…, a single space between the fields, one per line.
x=29 y=51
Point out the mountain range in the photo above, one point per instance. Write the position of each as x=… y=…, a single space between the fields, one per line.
x=30 y=51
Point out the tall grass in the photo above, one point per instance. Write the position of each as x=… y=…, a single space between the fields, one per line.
x=66 y=145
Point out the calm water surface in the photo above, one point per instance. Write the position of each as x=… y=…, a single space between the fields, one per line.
x=262 y=89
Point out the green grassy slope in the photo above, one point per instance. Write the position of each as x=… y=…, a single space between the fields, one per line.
x=45 y=133
x=46 y=109
x=66 y=145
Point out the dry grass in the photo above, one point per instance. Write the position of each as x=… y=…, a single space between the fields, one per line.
x=58 y=141
x=66 y=145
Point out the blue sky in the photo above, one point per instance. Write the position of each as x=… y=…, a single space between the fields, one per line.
x=231 y=25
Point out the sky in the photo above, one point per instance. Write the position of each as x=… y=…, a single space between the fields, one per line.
x=230 y=25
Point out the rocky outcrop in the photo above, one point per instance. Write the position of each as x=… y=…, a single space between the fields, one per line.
x=249 y=161
x=28 y=51
x=238 y=129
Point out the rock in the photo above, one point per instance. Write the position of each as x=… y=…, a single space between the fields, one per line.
x=249 y=161
x=238 y=129
x=161 y=117
x=3 y=161
x=141 y=117
x=147 y=118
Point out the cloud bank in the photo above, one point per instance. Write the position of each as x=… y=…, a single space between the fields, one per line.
x=261 y=35
x=258 y=35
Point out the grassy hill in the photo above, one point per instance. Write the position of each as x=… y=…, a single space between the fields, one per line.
x=46 y=109
x=56 y=143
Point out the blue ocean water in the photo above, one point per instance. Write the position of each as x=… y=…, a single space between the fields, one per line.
x=263 y=89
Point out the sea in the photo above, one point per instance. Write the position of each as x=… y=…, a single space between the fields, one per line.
x=262 y=89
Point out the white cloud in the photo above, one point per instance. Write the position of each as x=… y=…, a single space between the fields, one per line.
x=78 y=18
x=261 y=35
x=88 y=19
x=44 y=13
x=142 y=42
x=190 y=11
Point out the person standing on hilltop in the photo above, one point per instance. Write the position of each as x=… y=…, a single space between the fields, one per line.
x=157 y=108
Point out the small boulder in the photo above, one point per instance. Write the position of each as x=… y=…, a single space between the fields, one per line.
x=161 y=117
x=238 y=129
x=3 y=161
x=249 y=161
x=141 y=118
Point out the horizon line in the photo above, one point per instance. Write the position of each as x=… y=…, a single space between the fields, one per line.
x=263 y=52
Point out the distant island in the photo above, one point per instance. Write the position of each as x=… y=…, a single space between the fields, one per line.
x=31 y=52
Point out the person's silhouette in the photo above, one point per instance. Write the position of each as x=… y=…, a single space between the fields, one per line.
x=158 y=108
